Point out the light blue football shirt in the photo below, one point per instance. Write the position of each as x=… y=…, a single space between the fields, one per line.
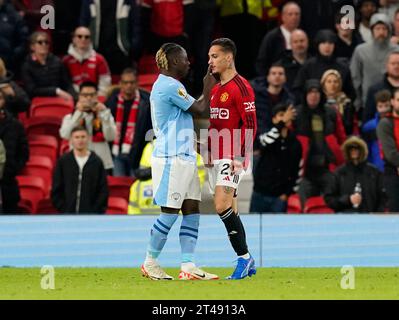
x=173 y=125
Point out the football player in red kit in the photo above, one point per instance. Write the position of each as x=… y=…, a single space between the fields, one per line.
x=230 y=138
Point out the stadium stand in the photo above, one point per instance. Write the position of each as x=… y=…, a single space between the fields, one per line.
x=117 y=205
x=32 y=189
x=51 y=107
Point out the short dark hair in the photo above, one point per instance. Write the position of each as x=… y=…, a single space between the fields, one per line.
x=79 y=128
x=129 y=71
x=88 y=84
x=383 y=96
x=277 y=64
x=279 y=107
x=227 y=45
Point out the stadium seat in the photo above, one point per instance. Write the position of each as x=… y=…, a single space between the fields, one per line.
x=44 y=138
x=147 y=64
x=120 y=186
x=32 y=189
x=44 y=125
x=317 y=205
x=117 y=205
x=146 y=81
x=51 y=107
x=44 y=148
x=25 y=207
x=40 y=166
x=115 y=78
x=294 y=204
x=64 y=147
x=23 y=117
x=45 y=206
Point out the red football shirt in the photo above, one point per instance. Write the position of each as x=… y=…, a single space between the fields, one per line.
x=232 y=119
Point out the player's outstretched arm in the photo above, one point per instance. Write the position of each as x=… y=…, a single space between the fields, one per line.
x=202 y=104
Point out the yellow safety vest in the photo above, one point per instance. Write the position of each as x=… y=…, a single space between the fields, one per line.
x=231 y=7
x=141 y=192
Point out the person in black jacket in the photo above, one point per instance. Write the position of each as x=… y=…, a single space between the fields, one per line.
x=79 y=179
x=324 y=60
x=13 y=136
x=130 y=107
x=269 y=91
x=278 y=40
x=357 y=185
x=276 y=172
x=17 y=99
x=43 y=74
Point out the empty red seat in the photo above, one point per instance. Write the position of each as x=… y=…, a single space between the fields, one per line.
x=40 y=166
x=25 y=206
x=45 y=206
x=117 y=205
x=51 y=107
x=64 y=147
x=32 y=189
x=49 y=126
x=44 y=148
x=294 y=204
x=120 y=186
x=317 y=205
x=147 y=64
x=146 y=81
x=42 y=137
x=115 y=78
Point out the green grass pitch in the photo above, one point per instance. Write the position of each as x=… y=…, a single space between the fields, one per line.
x=269 y=283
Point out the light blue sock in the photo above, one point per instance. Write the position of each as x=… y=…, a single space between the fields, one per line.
x=188 y=236
x=159 y=233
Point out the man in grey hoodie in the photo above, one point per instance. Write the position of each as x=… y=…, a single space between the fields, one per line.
x=368 y=60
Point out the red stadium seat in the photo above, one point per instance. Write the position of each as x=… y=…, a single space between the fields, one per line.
x=294 y=204
x=44 y=126
x=44 y=138
x=146 y=81
x=117 y=205
x=25 y=206
x=44 y=148
x=51 y=107
x=45 y=206
x=120 y=186
x=115 y=78
x=32 y=189
x=64 y=148
x=147 y=64
x=317 y=205
x=40 y=166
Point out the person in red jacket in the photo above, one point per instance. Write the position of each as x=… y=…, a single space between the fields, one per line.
x=320 y=131
x=85 y=64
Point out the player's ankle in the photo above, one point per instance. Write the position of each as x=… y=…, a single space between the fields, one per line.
x=245 y=256
x=186 y=266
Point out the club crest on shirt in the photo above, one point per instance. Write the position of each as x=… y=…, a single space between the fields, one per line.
x=182 y=93
x=224 y=97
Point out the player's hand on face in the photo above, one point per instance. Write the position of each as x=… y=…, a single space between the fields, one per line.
x=99 y=107
x=356 y=199
x=209 y=79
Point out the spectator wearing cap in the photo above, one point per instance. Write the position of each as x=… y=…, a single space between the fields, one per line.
x=347 y=38
x=320 y=131
x=85 y=64
x=367 y=64
x=278 y=40
x=389 y=82
x=276 y=172
x=17 y=99
x=366 y=9
x=43 y=74
x=357 y=186
x=324 y=60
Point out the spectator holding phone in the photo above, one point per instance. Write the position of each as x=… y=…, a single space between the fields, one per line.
x=96 y=118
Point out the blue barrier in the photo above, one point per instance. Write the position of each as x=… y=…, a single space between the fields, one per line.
x=274 y=240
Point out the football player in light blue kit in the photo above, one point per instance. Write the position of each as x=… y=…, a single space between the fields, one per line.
x=174 y=170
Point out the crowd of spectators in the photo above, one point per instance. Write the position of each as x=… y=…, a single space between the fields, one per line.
x=327 y=97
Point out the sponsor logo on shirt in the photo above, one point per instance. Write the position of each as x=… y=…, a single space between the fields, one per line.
x=249 y=106
x=220 y=113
